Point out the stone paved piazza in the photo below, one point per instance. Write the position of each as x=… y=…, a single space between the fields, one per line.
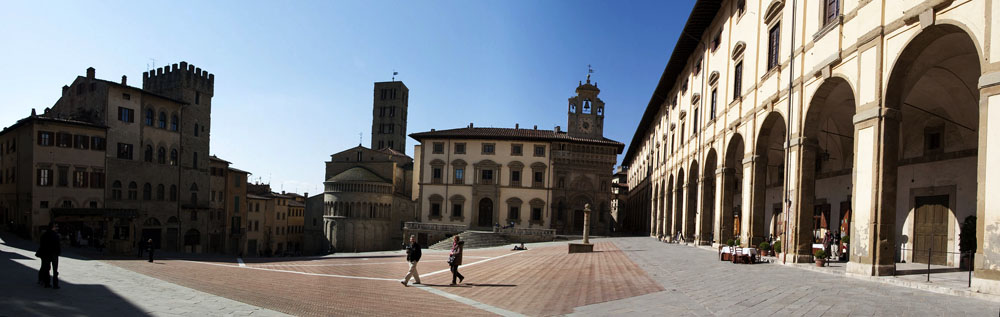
x=634 y=276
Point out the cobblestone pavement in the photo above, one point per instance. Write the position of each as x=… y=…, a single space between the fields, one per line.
x=95 y=288
x=697 y=283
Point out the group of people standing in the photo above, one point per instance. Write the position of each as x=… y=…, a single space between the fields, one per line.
x=413 y=254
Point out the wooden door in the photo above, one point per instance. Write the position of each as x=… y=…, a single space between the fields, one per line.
x=930 y=229
x=486 y=213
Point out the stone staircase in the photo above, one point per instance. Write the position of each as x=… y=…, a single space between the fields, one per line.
x=474 y=240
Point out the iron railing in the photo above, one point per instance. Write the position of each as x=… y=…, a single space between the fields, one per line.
x=970 y=255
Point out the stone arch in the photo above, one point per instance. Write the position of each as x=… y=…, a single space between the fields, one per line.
x=668 y=207
x=678 y=214
x=691 y=210
x=707 y=216
x=932 y=131
x=767 y=178
x=732 y=193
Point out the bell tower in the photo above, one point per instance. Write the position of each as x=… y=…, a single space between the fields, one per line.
x=586 y=112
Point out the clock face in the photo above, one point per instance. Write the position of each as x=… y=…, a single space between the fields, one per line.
x=585 y=125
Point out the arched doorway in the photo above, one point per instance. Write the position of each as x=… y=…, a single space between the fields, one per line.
x=707 y=214
x=485 y=212
x=691 y=212
x=192 y=241
x=768 y=179
x=732 y=195
x=678 y=217
x=657 y=214
x=934 y=177
x=826 y=157
x=151 y=229
x=668 y=209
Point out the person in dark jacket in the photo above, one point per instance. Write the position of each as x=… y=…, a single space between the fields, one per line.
x=455 y=259
x=412 y=256
x=49 y=251
x=150 y=248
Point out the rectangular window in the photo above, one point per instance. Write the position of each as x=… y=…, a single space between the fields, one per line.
x=97 y=143
x=80 y=179
x=540 y=150
x=513 y=213
x=539 y=178
x=125 y=151
x=694 y=123
x=459 y=176
x=125 y=115
x=488 y=148
x=487 y=177
x=773 y=41
x=716 y=41
x=515 y=178
x=738 y=81
x=435 y=210
x=43 y=204
x=64 y=139
x=63 y=176
x=81 y=142
x=456 y=211
x=831 y=10
x=126 y=96
x=536 y=214
x=197 y=97
x=715 y=101
x=436 y=175
x=392 y=112
x=45 y=138
x=97 y=180
x=516 y=149
x=44 y=177
x=459 y=148
x=438 y=148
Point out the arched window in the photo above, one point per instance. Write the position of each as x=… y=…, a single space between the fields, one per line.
x=161 y=155
x=194 y=193
x=147 y=191
x=173 y=192
x=586 y=106
x=148 y=157
x=149 y=117
x=194 y=161
x=174 y=123
x=162 y=123
x=195 y=129
x=600 y=111
x=159 y=192
x=133 y=193
x=173 y=157
x=572 y=108
x=116 y=190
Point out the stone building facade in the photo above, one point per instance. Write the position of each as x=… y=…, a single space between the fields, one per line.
x=787 y=119
x=156 y=162
x=481 y=177
x=229 y=201
x=54 y=170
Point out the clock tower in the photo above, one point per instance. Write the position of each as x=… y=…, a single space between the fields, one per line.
x=586 y=112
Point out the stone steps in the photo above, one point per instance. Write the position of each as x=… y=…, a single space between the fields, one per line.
x=473 y=240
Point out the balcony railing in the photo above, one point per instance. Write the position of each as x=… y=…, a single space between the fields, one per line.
x=434 y=227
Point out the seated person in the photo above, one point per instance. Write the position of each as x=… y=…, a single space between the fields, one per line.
x=519 y=248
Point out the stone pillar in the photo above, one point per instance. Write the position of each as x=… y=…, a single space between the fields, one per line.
x=657 y=214
x=876 y=148
x=986 y=278
x=750 y=207
x=667 y=203
x=717 y=220
x=797 y=240
x=586 y=224
x=726 y=211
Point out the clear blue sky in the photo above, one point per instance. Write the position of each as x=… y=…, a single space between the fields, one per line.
x=294 y=81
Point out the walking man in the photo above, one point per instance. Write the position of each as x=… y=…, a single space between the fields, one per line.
x=150 y=248
x=412 y=256
x=49 y=251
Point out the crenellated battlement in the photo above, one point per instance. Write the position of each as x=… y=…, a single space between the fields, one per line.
x=178 y=75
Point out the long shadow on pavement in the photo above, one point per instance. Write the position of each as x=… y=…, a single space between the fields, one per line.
x=21 y=296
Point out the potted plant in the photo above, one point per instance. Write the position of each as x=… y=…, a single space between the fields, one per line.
x=967 y=241
x=764 y=248
x=820 y=258
x=776 y=247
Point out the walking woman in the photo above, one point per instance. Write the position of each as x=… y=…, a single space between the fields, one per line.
x=455 y=259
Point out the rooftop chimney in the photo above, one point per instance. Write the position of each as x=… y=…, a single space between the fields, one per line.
x=33 y=112
x=124 y=80
x=470 y=125
x=536 y=127
x=90 y=72
x=557 y=128
x=517 y=126
x=65 y=89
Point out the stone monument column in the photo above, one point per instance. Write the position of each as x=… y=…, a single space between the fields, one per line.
x=586 y=224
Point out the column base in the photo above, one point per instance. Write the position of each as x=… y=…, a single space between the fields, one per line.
x=796 y=258
x=866 y=269
x=985 y=285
